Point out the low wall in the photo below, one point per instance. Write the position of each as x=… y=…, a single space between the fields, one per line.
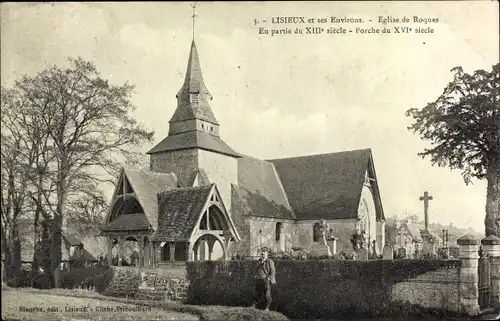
x=435 y=289
x=164 y=283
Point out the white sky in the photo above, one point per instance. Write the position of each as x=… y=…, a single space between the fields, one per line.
x=280 y=96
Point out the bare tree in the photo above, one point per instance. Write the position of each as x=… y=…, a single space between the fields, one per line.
x=89 y=126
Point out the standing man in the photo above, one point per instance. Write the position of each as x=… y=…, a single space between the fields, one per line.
x=264 y=278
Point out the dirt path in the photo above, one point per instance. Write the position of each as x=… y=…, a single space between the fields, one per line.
x=19 y=305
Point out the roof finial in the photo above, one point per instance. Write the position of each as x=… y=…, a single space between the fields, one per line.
x=194 y=15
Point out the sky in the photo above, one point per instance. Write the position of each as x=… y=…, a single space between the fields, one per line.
x=283 y=95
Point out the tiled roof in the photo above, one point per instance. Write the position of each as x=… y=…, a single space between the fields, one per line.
x=247 y=203
x=193 y=139
x=179 y=211
x=193 y=83
x=128 y=222
x=324 y=186
x=94 y=244
x=260 y=177
x=146 y=186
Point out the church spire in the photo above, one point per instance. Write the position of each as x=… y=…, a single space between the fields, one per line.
x=193 y=111
x=193 y=97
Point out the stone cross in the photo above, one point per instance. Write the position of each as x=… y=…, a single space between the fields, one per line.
x=426 y=198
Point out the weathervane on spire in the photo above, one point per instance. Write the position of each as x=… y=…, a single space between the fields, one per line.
x=194 y=15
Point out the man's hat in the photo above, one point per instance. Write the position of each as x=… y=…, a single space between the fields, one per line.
x=264 y=249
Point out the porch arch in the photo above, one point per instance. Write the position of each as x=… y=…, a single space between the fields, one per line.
x=209 y=246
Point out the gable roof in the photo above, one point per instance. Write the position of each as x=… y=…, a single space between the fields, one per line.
x=247 y=203
x=325 y=185
x=179 y=211
x=93 y=244
x=260 y=177
x=194 y=139
x=146 y=185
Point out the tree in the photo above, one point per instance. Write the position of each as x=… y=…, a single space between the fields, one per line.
x=89 y=128
x=463 y=125
x=14 y=181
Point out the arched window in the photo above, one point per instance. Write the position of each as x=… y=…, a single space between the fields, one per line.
x=126 y=205
x=316 y=232
x=216 y=220
x=364 y=222
x=278 y=230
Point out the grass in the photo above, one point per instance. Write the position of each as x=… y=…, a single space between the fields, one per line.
x=18 y=305
x=195 y=312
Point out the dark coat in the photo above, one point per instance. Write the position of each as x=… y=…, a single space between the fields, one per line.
x=269 y=269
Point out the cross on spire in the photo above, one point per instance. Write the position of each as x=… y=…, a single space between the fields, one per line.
x=193 y=16
x=426 y=198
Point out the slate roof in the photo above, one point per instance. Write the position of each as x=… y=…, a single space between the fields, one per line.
x=326 y=185
x=179 y=211
x=146 y=186
x=261 y=177
x=194 y=139
x=128 y=222
x=193 y=83
x=248 y=203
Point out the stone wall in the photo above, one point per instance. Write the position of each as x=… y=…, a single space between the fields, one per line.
x=124 y=282
x=434 y=289
x=342 y=229
x=263 y=234
x=181 y=162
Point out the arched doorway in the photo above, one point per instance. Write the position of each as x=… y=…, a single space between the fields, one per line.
x=208 y=247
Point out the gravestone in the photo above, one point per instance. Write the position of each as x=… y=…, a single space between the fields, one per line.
x=388 y=252
x=363 y=254
x=402 y=253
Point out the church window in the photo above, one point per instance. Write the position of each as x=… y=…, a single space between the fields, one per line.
x=211 y=129
x=202 y=126
x=194 y=98
x=278 y=230
x=316 y=232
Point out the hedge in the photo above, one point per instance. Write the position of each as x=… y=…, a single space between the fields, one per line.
x=310 y=289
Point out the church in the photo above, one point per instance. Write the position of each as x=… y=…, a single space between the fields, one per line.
x=202 y=200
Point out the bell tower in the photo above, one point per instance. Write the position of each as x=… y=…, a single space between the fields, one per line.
x=193 y=109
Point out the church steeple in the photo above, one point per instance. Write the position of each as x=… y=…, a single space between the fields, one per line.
x=193 y=110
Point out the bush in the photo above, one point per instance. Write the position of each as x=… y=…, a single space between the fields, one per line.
x=96 y=277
